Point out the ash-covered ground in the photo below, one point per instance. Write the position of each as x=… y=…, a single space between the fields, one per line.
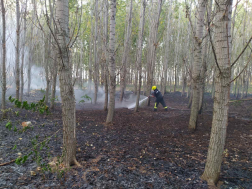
x=140 y=150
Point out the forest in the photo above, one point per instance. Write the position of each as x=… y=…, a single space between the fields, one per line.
x=126 y=94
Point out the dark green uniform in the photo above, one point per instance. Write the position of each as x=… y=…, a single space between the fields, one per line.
x=159 y=99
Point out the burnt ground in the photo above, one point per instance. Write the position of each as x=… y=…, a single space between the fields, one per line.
x=140 y=150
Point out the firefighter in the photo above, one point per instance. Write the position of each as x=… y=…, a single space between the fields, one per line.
x=159 y=98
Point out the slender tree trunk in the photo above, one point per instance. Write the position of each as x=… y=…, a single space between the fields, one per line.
x=66 y=87
x=47 y=56
x=197 y=65
x=55 y=63
x=96 y=69
x=204 y=62
x=90 y=54
x=23 y=52
x=47 y=59
x=153 y=44
x=31 y=49
x=54 y=80
x=123 y=73
x=3 y=58
x=139 y=51
x=167 y=43
x=106 y=74
x=222 y=43
x=17 y=68
x=112 y=67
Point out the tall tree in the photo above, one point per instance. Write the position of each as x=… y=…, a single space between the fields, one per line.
x=96 y=64
x=125 y=52
x=205 y=45
x=167 y=43
x=3 y=56
x=152 y=43
x=105 y=53
x=222 y=44
x=23 y=53
x=17 y=69
x=139 y=51
x=197 y=63
x=91 y=51
x=55 y=64
x=112 y=74
x=66 y=87
x=31 y=48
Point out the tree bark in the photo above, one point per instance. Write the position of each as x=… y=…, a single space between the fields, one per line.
x=96 y=69
x=139 y=51
x=123 y=73
x=112 y=74
x=17 y=68
x=222 y=42
x=153 y=44
x=31 y=49
x=197 y=64
x=105 y=50
x=66 y=87
x=167 y=44
x=90 y=53
x=55 y=63
x=3 y=57
x=23 y=52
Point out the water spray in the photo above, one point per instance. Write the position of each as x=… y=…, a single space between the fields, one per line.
x=133 y=105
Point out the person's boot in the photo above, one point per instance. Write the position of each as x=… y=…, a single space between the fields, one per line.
x=155 y=109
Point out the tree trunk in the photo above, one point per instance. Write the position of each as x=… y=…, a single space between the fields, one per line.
x=23 y=52
x=90 y=53
x=17 y=69
x=167 y=43
x=106 y=74
x=153 y=44
x=3 y=58
x=139 y=51
x=204 y=62
x=55 y=63
x=197 y=65
x=112 y=66
x=123 y=73
x=54 y=82
x=222 y=43
x=96 y=69
x=31 y=49
x=66 y=87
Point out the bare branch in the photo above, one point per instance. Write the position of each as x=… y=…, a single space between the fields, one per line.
x=215 y=57
x=242 y=52
x=243 y=69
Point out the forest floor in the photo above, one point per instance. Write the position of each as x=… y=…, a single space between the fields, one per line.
x=142 y=150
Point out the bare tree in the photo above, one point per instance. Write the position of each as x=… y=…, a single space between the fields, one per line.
x=31 y=50
x=105 y=53
x=17 y=69
x=222 y=44
x=112 y=74
x=23 y=52
x=167 y=43
x=153 y=43
x=125 y=52
x=139 y=51
x=55 y=63
x=197 y=64
x=96 y=69
x=66 y=87
x=3 y=57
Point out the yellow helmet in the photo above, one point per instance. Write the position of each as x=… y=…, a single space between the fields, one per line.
x=154 y=87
